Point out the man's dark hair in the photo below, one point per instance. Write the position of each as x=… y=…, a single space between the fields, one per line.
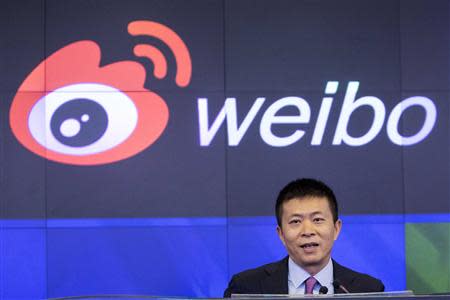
x=306 y=187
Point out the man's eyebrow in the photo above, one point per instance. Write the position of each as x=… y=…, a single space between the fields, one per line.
x=314 y=213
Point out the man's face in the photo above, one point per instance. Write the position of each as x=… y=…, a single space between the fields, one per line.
x=308 y=231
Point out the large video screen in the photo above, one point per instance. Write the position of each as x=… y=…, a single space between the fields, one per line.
x=144 y=142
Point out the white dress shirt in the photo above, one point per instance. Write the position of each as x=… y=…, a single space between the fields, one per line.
x=297 y=277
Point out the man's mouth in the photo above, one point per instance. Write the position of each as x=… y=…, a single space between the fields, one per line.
x=309 y=245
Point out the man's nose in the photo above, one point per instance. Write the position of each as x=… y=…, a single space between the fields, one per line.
x=307 y=228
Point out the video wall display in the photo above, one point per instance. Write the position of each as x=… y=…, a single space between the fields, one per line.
x=144 y=142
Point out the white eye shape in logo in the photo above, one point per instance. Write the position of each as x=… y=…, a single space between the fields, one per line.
x=83 y=119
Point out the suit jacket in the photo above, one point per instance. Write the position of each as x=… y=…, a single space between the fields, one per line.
x=273 y=279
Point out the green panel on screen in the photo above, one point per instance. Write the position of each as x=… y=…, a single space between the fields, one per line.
x=428 y=257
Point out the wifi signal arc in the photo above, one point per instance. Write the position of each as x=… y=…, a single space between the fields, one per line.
x=159 y=61
x=172 y=40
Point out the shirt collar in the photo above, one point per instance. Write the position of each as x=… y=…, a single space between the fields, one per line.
x=325 y=276
x=297 y=275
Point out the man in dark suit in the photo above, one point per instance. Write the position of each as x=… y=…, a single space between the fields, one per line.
x=308 y=225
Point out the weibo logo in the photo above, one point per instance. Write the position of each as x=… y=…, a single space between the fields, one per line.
x=91 y=114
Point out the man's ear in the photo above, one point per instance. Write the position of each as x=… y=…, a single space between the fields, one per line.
x=280 y=234
x=337 y=228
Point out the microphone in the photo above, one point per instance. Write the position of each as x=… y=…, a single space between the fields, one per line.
x=337 y=285
x=323 y=290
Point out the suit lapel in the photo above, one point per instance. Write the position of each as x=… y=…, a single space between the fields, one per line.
x=345 y=277
x=276 y=281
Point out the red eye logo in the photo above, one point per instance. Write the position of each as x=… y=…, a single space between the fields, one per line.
x=72 y=110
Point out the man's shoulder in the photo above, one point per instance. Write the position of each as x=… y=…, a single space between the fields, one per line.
x=261 y=271
x=356 y=282
x=267 y=279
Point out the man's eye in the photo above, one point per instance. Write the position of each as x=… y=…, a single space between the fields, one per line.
x=318 y=220
x=294 y=222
